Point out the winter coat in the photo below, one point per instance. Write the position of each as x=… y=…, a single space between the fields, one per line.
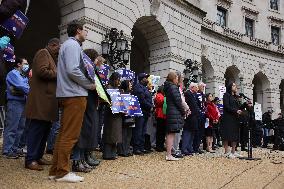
x=175 y=110
x=144 y=97
x=211 y=112
x=230 y=125
x=112 y=126
x=192 y=121
x=159 y=101
x=42 y=103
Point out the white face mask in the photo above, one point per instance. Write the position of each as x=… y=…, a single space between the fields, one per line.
x=25 y=68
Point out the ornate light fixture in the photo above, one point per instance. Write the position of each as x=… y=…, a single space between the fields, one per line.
x=115 y=49
x=191 y=71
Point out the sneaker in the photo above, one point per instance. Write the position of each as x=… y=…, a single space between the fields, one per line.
x=11 y=156
x=231 y=156
x=70 y=177
x=51 y=177
x=227 y=154
x=237 y=155
x=171 y=158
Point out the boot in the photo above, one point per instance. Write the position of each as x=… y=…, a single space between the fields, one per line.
x=86 y=165
x=91 y=160
x=77 y=166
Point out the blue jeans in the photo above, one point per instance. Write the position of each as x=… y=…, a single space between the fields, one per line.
x=139 y=132
x=14 y=128
x=53 y=133
x=78 y=153
x=265 y=136
x=187 y=141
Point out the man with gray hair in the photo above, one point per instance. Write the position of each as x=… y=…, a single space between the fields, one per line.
x=201 y=99
x=191 y=122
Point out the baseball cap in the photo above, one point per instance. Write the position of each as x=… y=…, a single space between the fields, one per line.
x=142 y=76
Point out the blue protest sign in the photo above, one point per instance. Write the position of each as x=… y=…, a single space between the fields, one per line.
x=103 y=73
x=16 y=24
x=8 y=53
x=126 y=74
x=88 y=64
x=132 y=105
x=117 y=104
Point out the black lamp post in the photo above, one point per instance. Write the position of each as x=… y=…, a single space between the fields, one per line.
x=190 y=72
x=115 y=49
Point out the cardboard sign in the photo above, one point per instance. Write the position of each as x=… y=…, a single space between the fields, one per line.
x=103 y=73
x=94 y=76
x=126 y=74
x=8 y=53
x=257 y=112
x=16 y=24
x=222 y=91
x=117 y=104
x=132 y=105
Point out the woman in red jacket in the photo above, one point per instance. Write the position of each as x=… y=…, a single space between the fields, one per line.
x=161 y=120
x=212 y=118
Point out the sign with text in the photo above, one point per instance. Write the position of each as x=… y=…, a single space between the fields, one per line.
x=8 y=53
x=117 y=104
x=94 y=77
x=222 y=91
x=16 y=24
x=257 y=112
x=126 y=74
x=103 y=73
x=132 y=105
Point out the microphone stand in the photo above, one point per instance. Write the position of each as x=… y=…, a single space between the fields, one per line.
x=248 y=124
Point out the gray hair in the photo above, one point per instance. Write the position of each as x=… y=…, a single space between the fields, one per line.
x=53 y=41
x=192 y=84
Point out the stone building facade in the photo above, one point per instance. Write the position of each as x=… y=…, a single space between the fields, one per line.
x=230 y=38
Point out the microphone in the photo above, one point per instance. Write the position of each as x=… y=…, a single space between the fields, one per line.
x=244 y=96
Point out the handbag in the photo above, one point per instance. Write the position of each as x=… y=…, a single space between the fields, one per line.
x=165 y=106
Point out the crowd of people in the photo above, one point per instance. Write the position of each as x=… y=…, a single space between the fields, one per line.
x=52 y=106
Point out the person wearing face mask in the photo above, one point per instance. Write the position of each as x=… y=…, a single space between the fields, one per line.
x=145 y=99
x=42 y=105
x=17 y=91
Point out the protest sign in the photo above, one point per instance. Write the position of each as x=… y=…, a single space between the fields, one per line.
x=222 y=91
x=8 y=53
x=117 y=104
x=103 y=72
x=16 y=24
x=132 y=105
x=94 y=76
x=257 y=112
x=126 y=74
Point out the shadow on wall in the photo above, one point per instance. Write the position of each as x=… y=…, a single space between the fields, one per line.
x=44 y=19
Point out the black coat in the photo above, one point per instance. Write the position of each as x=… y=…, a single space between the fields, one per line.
x=192 y=121
x=90 y=128
x=230 y=125
x=175 y=110
x=112 y=131
x=144 y=97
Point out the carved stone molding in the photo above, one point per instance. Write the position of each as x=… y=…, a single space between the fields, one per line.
x=154 y=8
x=250 y=13
x=226 y=4
x=274 y=21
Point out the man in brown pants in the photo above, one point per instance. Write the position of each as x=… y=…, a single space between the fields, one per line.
x=72 y=86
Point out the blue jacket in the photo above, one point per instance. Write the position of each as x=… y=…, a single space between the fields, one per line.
x=144 y=97
x=20 y=82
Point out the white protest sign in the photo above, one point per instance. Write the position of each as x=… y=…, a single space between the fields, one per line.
x=258 y=112
x=222 y=91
